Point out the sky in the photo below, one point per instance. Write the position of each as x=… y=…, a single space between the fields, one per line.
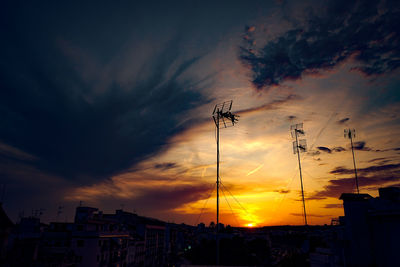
x=110 y=105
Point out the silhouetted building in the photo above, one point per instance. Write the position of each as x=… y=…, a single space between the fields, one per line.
x=98 y=240
x=56 y=247
x=25 y=241
x=372 y=228
x=6 y=226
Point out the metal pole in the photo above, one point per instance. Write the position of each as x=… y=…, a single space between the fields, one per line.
x=354 y=160
x=217 y=236
x=301 y=179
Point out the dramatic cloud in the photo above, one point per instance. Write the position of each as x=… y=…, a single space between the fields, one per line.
x=365 y=30
x=324 y=149
x=82 y=134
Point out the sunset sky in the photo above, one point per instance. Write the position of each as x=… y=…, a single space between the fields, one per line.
x=110 y=104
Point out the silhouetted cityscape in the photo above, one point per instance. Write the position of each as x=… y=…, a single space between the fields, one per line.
x=207 y=133
x=367 y=235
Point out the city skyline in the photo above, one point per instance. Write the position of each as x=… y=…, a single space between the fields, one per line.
x=111 y=105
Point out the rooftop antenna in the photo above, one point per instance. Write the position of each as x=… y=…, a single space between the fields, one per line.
x=223 y=118
x=299 y=146
x=351 y=133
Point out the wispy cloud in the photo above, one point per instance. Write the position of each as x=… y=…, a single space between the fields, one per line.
x=15 y=153
x=333 y=206
x=166 y=165
x=371 y=169
x=338 y=149
x=275 y=104
x=343 y=121
x=310 y=215
x=324 y=149
x=282 y=191
x=255 y=170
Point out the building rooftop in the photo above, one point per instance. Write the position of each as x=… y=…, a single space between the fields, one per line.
x=355 y=197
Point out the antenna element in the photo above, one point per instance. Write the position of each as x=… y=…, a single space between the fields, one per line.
x=351 y=133
x=223 y=118
x=299 y=146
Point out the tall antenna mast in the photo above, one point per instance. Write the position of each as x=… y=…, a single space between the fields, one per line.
x=298 y=147
x=351 y=133
x=223 y=118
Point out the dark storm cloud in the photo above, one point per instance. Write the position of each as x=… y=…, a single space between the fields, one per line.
x=52 y=111
x=76 y=138
x=365 y=30
x=342 y=121
x=324 y=149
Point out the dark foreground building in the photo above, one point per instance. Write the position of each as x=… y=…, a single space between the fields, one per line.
x=372 y=228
